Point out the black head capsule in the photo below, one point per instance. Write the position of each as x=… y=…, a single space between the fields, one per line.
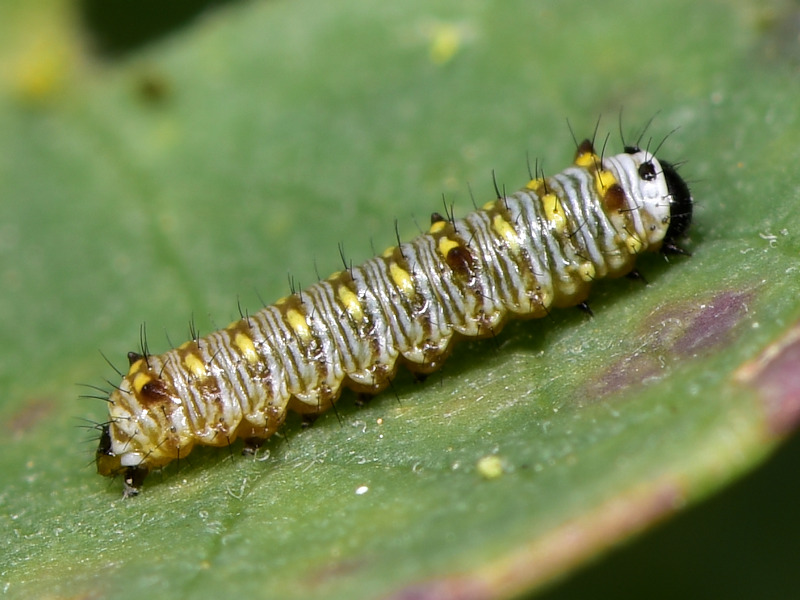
x=106 y=461
x=104 y=445
x=680 y=208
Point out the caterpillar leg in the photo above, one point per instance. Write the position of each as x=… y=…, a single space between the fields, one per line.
x=252 y=445
x=132 y=481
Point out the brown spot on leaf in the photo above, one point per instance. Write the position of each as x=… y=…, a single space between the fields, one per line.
x=711 y=325
x=775 y=375
x=337 y=570
x=557 y=551
x=30 y=415
x=453 y=588
x=670 y=334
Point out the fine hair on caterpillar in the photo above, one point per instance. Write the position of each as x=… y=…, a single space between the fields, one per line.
x=517 y=256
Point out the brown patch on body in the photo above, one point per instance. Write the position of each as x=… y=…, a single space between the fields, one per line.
x=459 y=259
x=155 y=391
x=614 y=198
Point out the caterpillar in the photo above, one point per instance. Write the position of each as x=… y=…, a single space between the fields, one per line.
x=519 y=255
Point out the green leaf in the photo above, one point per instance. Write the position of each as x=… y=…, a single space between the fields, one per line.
x=167 y=184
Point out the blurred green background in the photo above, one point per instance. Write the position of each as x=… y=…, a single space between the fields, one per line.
x=160 y=161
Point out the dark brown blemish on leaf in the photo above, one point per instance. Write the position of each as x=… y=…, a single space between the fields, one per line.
x=30 y=415
x=681 y=331
x=324 y=576
x=452 y=588
x=152 y=87
x=775 y=376
x=712 y=324
x=555 y=552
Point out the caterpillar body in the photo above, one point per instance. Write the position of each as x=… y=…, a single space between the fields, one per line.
x=518 y=256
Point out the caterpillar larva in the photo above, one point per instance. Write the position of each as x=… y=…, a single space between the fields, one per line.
x=517 y=256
